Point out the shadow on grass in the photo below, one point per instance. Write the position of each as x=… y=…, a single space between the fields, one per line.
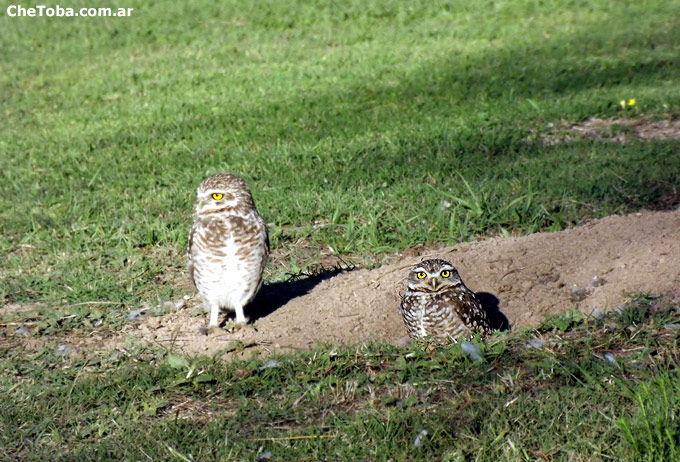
x=496 y=317
x=449 y=86
x=275 y=295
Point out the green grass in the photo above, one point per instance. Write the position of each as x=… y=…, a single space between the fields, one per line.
x=363 y=128
x=355 y=125
x=560 y=400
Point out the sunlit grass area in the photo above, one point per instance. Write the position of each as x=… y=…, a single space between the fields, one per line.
x=356 y=126
x=363 y=129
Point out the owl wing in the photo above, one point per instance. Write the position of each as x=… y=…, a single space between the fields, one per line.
x=266 y=239
x=266 y=254
x=472 y=312
x=190 y=260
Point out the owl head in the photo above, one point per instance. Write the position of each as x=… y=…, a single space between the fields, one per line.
x=433 y=275
x=224 y=191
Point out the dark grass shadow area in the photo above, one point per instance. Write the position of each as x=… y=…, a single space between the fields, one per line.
x=542 y=71
x=275 y=295
x=490 y=304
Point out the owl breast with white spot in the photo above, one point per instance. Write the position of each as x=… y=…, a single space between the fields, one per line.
x=228 y=246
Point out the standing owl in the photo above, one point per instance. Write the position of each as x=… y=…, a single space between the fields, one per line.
x=437 y=303
x=228 y=246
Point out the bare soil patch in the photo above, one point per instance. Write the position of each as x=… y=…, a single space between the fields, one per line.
x=527 y=278
x=617 y=130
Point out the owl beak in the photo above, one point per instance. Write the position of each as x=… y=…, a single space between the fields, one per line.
x=198 y=204
x=434 y=283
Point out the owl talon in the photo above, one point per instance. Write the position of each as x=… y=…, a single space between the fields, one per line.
x=211 y=331
x=235 y=326
x=248 y=327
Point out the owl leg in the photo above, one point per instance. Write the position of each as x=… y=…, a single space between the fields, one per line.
x=214 y=314
x=240 y=317
x=213 y=327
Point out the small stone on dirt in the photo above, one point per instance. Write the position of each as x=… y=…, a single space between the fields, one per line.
x=577 y=294
x=418 y=442
x=23 y=332
x=597 y=313
x=472 y=351
x=610 y=358
x=65 y=349
x=266 y=455
x=136 y=314
x=596 y=282
x=538 y=343
x=271 y=364
x=402 y=342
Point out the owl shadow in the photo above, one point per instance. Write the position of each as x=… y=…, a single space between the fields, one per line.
x=273 y=296
x=490 y=303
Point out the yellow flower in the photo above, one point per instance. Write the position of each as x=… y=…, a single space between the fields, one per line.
x=631 y=102
x=623 y=103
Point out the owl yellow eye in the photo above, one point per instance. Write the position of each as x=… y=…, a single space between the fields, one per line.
x=217 y=196
x=445 y=273
x=421 y=275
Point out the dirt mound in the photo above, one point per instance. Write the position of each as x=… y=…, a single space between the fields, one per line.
x=526 y=278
